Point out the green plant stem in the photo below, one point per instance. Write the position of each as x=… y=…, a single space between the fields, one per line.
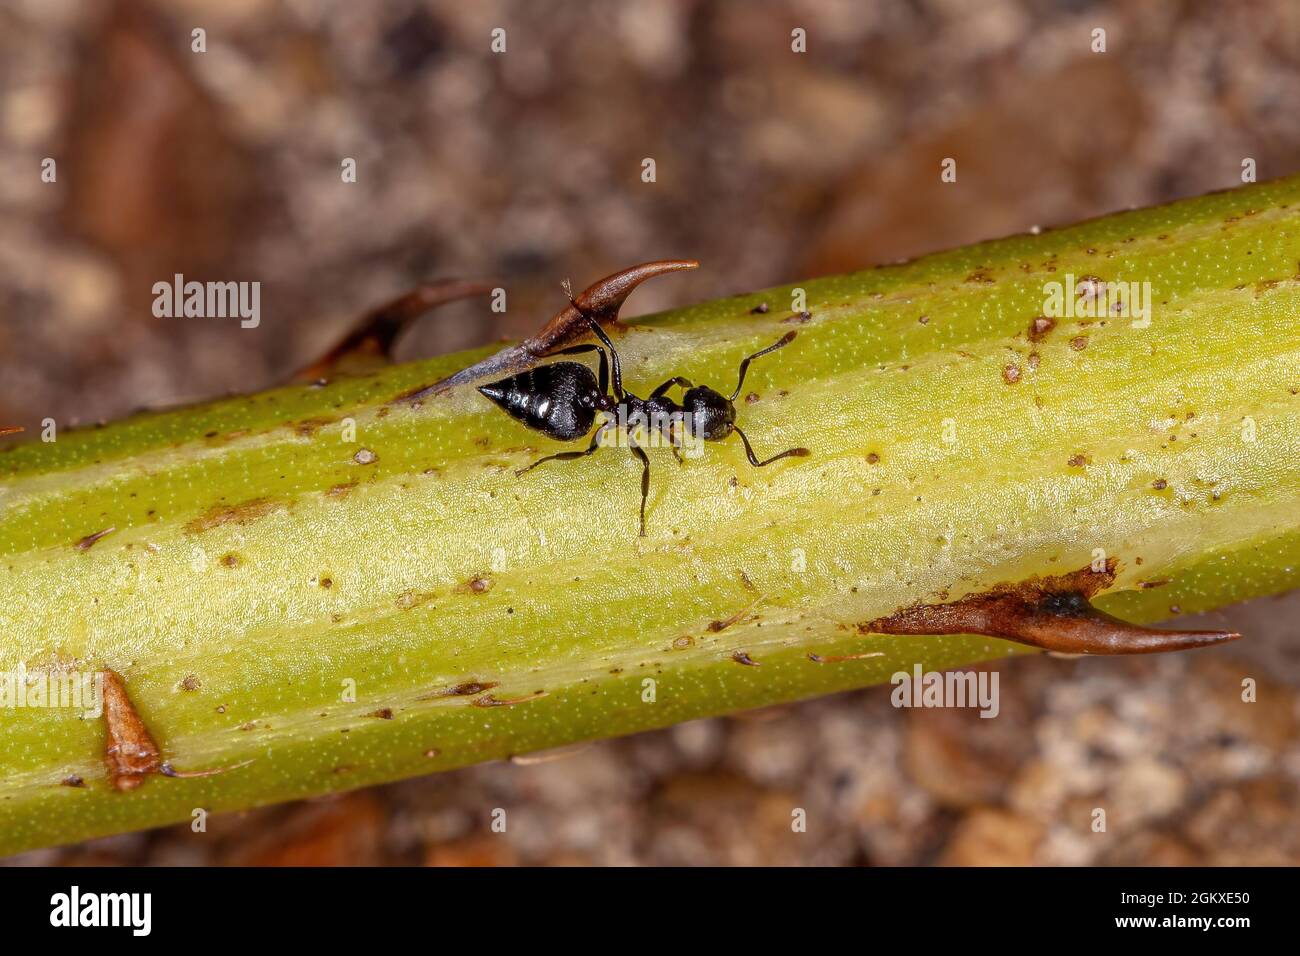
x=263 y=562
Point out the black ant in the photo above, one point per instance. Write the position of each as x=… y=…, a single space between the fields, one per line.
x=561 y=400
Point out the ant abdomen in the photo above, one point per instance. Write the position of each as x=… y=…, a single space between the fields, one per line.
x=558 y=400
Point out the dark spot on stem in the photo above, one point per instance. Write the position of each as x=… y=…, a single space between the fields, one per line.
x=1039 y=328
x=487 y=700
x=88 y=542
x=244 y=513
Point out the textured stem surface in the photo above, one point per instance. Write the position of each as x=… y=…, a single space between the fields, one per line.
x=317 y=609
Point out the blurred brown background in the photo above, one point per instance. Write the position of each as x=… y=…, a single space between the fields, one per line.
x=525 y=168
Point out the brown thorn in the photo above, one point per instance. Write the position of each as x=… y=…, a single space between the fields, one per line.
x=10 y=430
x=1054 y=613
x=88 y=542
x=716 y=627
x=370 y=342
x=131 y=752
x=602 y=301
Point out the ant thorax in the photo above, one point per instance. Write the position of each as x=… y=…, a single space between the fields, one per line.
x=653 y=423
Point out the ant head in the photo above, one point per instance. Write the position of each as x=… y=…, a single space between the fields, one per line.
x=605 y=403
x=712 y=416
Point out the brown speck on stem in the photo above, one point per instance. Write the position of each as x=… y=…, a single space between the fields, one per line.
x=841 y=658
x=365 y=456
x=88 y=542
x=872 y=458
x=487 y=700
x=1039 y=328
x=1078 y=461
x=1054 y=613
x=760 y=309
x=1159 y=484
x=602 y=301
x=308 y=427
x=1011 y=373
x=467 y=689
x=72 y=780
x=742 y=657
x=480 y=584
x=1079 y=343
x=384 y=713
x=190 y=683
x=244 y=513
x=683 y=642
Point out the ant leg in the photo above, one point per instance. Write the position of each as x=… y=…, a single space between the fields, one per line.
x=782 y=342
x=569 y=455
x=604 y=361
x=666 y=430
x=675 y=380
x=613 y=354
x=645 y=476
x=749 y=452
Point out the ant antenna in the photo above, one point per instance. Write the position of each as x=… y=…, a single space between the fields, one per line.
x=744 y=366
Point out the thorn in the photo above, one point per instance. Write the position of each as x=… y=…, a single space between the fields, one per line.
x=10 y=430
x=132 y=752
x=1053 y=613
x=602 y=301
x=371 y=341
